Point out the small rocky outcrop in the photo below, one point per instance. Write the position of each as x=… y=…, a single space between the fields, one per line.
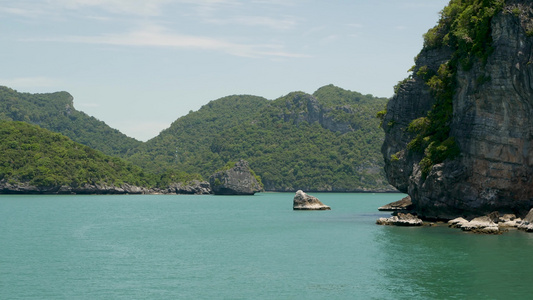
x=401 y=219
x=457 y=222
x=509 y=220
x=239 y=180
x=527 y=223
x=492 y=223
x=483 y=224
x=303 y=201
x=194 y=187
x=400 y=205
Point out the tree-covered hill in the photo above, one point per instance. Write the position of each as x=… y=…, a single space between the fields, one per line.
x=41 y=158
x=56 y=112
x=189 y=142
x=328 y=141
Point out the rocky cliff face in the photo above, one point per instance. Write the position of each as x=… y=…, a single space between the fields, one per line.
x=238 y=180
x=492 y=125
x=306 y=108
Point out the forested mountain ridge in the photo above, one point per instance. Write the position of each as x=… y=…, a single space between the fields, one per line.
x=56 y=112
x=328 y=141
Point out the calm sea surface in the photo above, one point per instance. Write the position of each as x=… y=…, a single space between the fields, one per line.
x=246 y=247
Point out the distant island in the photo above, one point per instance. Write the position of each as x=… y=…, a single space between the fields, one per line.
x=328 y=142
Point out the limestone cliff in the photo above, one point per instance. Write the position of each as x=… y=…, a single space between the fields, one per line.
x=306 y=108
x=490 y=122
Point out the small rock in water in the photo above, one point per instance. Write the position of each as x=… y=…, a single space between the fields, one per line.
x=509 y=220
x=457 y=222
x=481 y=225
x=527 y=222
x=401 y=220
x=303 y=201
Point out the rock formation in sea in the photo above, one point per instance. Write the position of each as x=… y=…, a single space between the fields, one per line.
x=492 y=223
x=401 y=205
x=401 y=219
x=194 y=187
x=303 y=201
x=527 y=223
x=459 y=131
x=238 y=180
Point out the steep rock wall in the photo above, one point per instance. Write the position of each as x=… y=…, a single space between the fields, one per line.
x=492 y=125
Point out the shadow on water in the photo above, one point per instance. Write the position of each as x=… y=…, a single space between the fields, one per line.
x=443 y=263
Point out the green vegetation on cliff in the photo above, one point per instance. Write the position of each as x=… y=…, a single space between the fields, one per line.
x=465 y=29
x=325 y=141
x=34 y=155
x=56 y=112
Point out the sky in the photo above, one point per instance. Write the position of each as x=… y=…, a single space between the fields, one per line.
x=138 y=65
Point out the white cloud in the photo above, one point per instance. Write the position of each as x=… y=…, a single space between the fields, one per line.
x=29 y=82
x=134 y=7
x=157 y=36
x=208 y=7
x=257 y=21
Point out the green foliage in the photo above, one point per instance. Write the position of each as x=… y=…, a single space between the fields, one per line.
x=285 y=151
x=381 y=114
x=425 y=73
x=42 y=158
x=229 y=165
x=465 y=28
x=56 y=112
x=437 y=152
x=400 y=84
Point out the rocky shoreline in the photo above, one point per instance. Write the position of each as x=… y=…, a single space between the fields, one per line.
x=493 y=223
x=194 y=187
x=191 y=188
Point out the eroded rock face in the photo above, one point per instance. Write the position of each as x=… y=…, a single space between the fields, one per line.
x=238 y=180
x=306 y=108
x=303 y=201
x=492 y=125
x=401 y=205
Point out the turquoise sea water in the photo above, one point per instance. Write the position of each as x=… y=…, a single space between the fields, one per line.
x=246 y=247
